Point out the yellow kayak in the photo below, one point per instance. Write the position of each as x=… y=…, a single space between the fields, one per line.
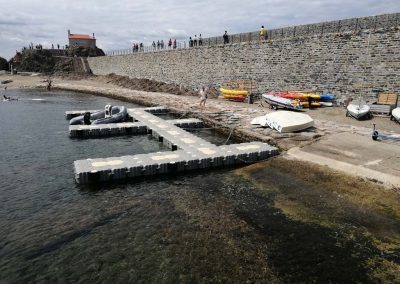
x=233 y=92
x=314 y=104
x=237 y=98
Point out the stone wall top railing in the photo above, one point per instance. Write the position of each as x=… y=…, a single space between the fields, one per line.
x=380 y=22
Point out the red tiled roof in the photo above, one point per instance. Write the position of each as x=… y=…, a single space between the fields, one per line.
x=77 y=36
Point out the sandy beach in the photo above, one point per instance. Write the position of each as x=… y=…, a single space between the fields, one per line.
x=234 y=118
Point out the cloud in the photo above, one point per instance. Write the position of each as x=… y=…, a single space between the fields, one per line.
x=117 y=24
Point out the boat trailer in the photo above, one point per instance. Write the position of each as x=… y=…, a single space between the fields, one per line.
x=379 y=137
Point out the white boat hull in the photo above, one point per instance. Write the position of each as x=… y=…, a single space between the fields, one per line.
x=358 y=111
x=285 y=121
x=396 y=114
x=281 y=102
x=326 y=104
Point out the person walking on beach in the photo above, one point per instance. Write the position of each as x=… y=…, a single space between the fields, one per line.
x=170 y=43
x=226 y=37
x=174 y=43
x=154 y=45
x=190 y=42
x=262 y=34
x=200 y=40
x=203 y=97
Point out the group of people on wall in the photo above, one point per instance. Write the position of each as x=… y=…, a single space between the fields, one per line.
x=161 y=44
x=262 y=35
x=193 y=42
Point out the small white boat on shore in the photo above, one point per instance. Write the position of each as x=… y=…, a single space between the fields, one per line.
x=396 y=114
x=276 y=102
x=285 y=121
x=358 y=111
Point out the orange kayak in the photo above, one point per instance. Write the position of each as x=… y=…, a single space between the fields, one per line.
x=299 y=95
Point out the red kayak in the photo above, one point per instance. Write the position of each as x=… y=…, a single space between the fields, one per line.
x=298 y=95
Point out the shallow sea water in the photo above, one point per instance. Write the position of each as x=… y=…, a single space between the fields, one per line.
x=211 y=226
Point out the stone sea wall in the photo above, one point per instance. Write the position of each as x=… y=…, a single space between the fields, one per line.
x=346 y=61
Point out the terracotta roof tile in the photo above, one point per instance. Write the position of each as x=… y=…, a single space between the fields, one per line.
x=78 y=36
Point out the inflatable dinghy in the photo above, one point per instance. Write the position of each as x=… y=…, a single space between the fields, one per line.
x=110 y=114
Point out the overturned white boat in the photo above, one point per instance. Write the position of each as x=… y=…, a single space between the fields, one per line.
x=110 y=114
x=396 y=114
x=285 y=121
x=260 y=120
x=358 y=111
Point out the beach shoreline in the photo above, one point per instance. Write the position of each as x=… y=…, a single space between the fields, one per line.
x=233 y=119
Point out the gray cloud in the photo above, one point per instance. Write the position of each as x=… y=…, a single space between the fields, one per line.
x=118 y=23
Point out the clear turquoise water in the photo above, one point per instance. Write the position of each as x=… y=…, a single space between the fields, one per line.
x=202 y=227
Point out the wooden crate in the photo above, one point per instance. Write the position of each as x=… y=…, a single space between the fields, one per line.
x=387 y=99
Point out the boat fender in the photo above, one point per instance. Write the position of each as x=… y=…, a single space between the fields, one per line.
x=86 y=118
x=375 y=135
x=108 y=111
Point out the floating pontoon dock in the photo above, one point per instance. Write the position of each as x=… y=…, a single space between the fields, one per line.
x=190 y=153
x=124 y=128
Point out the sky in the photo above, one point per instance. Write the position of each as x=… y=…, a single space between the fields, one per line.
x=119 y=23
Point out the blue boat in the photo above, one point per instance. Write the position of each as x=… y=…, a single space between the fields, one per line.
x=327 y=97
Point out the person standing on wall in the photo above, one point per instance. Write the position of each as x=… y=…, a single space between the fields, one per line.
x=226 y=37
x=262 y=34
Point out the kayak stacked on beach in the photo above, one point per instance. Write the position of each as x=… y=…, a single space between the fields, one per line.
x=234 y=95
x=317 y=99
x=237 y=91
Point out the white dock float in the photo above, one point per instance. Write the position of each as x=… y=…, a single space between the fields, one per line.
x=125 y=167
x=191 y=153
x=124 y=128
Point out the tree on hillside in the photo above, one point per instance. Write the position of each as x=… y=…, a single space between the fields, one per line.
x=3 y=64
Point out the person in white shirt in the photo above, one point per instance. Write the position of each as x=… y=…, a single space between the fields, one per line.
x=203 y=97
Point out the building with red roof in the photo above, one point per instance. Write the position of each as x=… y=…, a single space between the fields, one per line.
x=81 y=40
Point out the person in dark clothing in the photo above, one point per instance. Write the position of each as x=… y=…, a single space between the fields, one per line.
x=190 y=42
x=310 y=102
x=226 y=37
